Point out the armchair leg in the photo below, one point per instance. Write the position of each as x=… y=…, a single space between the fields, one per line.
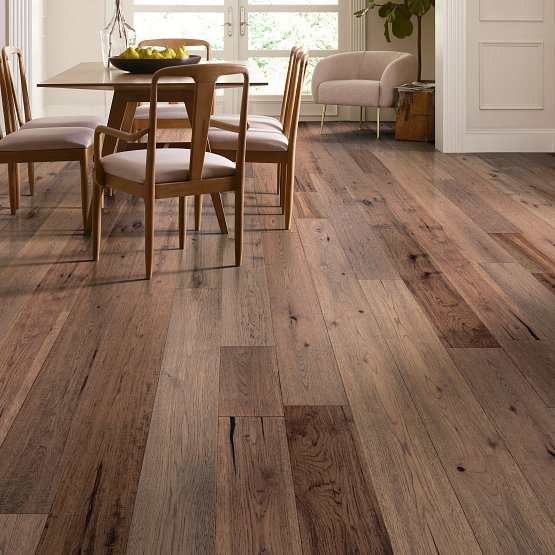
x=378 y=122
x=360 y=118
x=323 y=118
x=149 y=236
x=239 y=206
x=98 y=193
x=84 y=165
x=219 y=208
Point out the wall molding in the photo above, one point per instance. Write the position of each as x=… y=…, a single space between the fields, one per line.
x=358 y=26
x=490 y=15
x=510 y=140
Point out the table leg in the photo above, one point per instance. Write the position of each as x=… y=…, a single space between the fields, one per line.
x=127 y=123
x=115 y=120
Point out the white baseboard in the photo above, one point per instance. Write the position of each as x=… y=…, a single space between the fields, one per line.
x=509 y=140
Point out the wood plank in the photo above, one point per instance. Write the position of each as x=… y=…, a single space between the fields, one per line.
x=249 y=382
x=93 y=505
x=337 y=507
x=256 y=504
x=519 y=415
x=176 y=498
x=309 y=205
x=547 y=280
x=536 y=361
x=363 y=249
x=503 y=510
x=524 y=252
x=524 y=292
x=20 y=534
x=420 y=509
x=454 y=321
x=307 y=367
x=482 y=214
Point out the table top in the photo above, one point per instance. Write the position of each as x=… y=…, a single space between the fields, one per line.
x=93 y=75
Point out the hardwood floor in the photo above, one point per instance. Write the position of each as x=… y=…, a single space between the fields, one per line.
x=380 y=379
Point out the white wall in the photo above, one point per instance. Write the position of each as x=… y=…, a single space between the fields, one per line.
x=510 y=75
x=72 y=36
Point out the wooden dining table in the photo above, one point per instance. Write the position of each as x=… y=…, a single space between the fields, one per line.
x=132 y=88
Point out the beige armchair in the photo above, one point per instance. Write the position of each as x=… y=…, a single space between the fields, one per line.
x=362 y=79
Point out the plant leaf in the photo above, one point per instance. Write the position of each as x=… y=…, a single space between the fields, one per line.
x=401 y=26
x=419 y=7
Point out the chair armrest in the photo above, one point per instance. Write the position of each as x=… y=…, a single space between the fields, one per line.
x=225 y=125
x=118 y=134
x=400 y=71
x=337 y=66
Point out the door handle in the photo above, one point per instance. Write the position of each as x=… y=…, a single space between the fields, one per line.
x=229 y=23
x=243 y=22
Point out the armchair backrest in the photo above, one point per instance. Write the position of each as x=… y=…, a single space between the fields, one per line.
x=204 y=77
x=176 y=43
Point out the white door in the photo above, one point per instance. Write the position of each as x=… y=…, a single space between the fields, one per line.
x=262 y=30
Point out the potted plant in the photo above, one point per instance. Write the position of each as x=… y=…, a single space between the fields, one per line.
x=398 y=16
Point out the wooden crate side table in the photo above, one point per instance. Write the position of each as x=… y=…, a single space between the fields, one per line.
x=415 y=115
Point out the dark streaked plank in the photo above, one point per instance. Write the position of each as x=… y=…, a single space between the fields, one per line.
x=454 y=321
x=536 y=360
x=176 y=498
x=255 y=512
x=519 y=415
x=337 y=508
x=525 y=252
x=503 y=510
x=420 y=509
x=548 y=280
x=249 y=382
x=360 y=244
x=308 y=370
x=20 y=534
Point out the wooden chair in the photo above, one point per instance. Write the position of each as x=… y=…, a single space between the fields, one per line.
x=170 y=116
x=272 y=146
x=154 y=173
x=29 y=145
x=22 y=118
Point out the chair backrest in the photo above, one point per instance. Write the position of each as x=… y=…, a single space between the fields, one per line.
x=176 y=43
x=292 y=108
x=204 y=77
x=288 y=87
x=302 y=64
x=13 y=56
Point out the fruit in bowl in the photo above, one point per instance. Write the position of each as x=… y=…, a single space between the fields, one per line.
x=154 y=54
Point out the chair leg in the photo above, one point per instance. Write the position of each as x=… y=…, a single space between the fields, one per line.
x=84 y=165
x=31 y=174
x=96 y=216
x=278 y=189
x=239 y=206
x=17 y=186
x=289 y=193
x=378 y=123
x=12 y=177
x=360 y=118
x=198 y=212
x=323 y=118
x=182 y=221
x=149 y=236
x=219 y=208
x=282 y=187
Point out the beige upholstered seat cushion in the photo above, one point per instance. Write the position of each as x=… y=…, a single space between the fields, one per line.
x=172 y=164
x=257 y=140
x=255 y=122
x=163 y=111
x=350 y=92
x=52 y=138
x=91 y=122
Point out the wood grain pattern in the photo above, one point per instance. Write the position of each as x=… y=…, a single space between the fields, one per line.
x=249 y=382
x=536 y=361
x=517 y=412
x=525 y=252
x=338 y=510
x=308 y=370
x=480 y=468
x=20 y=534
x=454 y=321
x=176 y=498
x=420 y=509
x=256 y=503
x=547 y=280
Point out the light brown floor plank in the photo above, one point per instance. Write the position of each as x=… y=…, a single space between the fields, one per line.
x=20 y=534
x=256 y=504
x=176 y=498
x=338 y=510
x=517 y=412
x=249 y=382
x=482 y=471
